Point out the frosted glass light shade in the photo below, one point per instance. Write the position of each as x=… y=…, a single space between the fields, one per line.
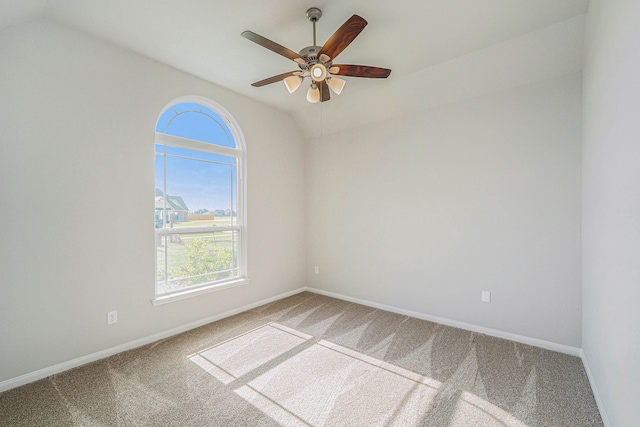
x=318 y=72
x=336 y=85
x=313 y=94
x=292 y=83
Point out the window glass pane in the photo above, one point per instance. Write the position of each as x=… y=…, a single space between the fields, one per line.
x=161 y=257
x=187 y=106
x=202 y=155
x=164 y=119
x=208 y=111
x=223 y=125
x=193 y=121
x=195 y=259
x=227 y=213
x=159 y=199
x=234 y=193
x=196 y=193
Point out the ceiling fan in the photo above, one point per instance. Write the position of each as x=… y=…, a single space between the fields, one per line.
x=316 y=62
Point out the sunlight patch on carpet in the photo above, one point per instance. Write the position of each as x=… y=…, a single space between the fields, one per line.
x=240 y=355
x=330 y=385
x=327 y=384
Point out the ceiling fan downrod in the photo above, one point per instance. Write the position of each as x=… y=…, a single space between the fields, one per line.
x=314 y=14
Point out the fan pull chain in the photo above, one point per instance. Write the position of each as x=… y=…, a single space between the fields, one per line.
x=320 y=87
x=321 y=117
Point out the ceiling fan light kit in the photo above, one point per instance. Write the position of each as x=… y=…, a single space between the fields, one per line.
x=292 y=83
x=316 y=62
x=313 y=94
x=318 y=72
x=336 y=85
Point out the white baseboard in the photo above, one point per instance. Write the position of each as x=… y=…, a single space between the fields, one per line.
x=594 y=388
x=64 y=366
x=61 y=367
x=561 y=348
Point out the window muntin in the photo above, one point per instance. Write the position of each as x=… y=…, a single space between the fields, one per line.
x=199 y=216
x=197 y=122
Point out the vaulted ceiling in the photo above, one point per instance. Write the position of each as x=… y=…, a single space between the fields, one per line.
x=440 y=51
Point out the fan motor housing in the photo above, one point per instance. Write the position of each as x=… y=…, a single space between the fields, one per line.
x=310 y=52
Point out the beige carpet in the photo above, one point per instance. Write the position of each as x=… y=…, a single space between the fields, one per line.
x=310 y=360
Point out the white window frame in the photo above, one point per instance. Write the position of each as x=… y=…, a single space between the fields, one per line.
x=239 y=153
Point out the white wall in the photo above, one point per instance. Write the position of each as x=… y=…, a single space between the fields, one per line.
x=77 y=119
x=426 y=211
x=611 y=206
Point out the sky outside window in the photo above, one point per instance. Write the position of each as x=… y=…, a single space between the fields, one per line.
x=205 y=181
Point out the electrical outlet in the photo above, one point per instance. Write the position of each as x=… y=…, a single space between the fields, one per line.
x=112 y=317
x=486 y=296
x=316 y=269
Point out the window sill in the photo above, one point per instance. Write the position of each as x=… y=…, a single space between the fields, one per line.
x=195 y=292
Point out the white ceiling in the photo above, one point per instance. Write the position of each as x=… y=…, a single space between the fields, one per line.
x=440 y=51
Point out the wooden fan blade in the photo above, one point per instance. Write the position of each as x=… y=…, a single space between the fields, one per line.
x=361 y=71
x=271 y=45
x=324 y=91
x=343 y=36
x=275 y=79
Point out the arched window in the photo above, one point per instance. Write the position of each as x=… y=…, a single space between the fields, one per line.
x=199 y=200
